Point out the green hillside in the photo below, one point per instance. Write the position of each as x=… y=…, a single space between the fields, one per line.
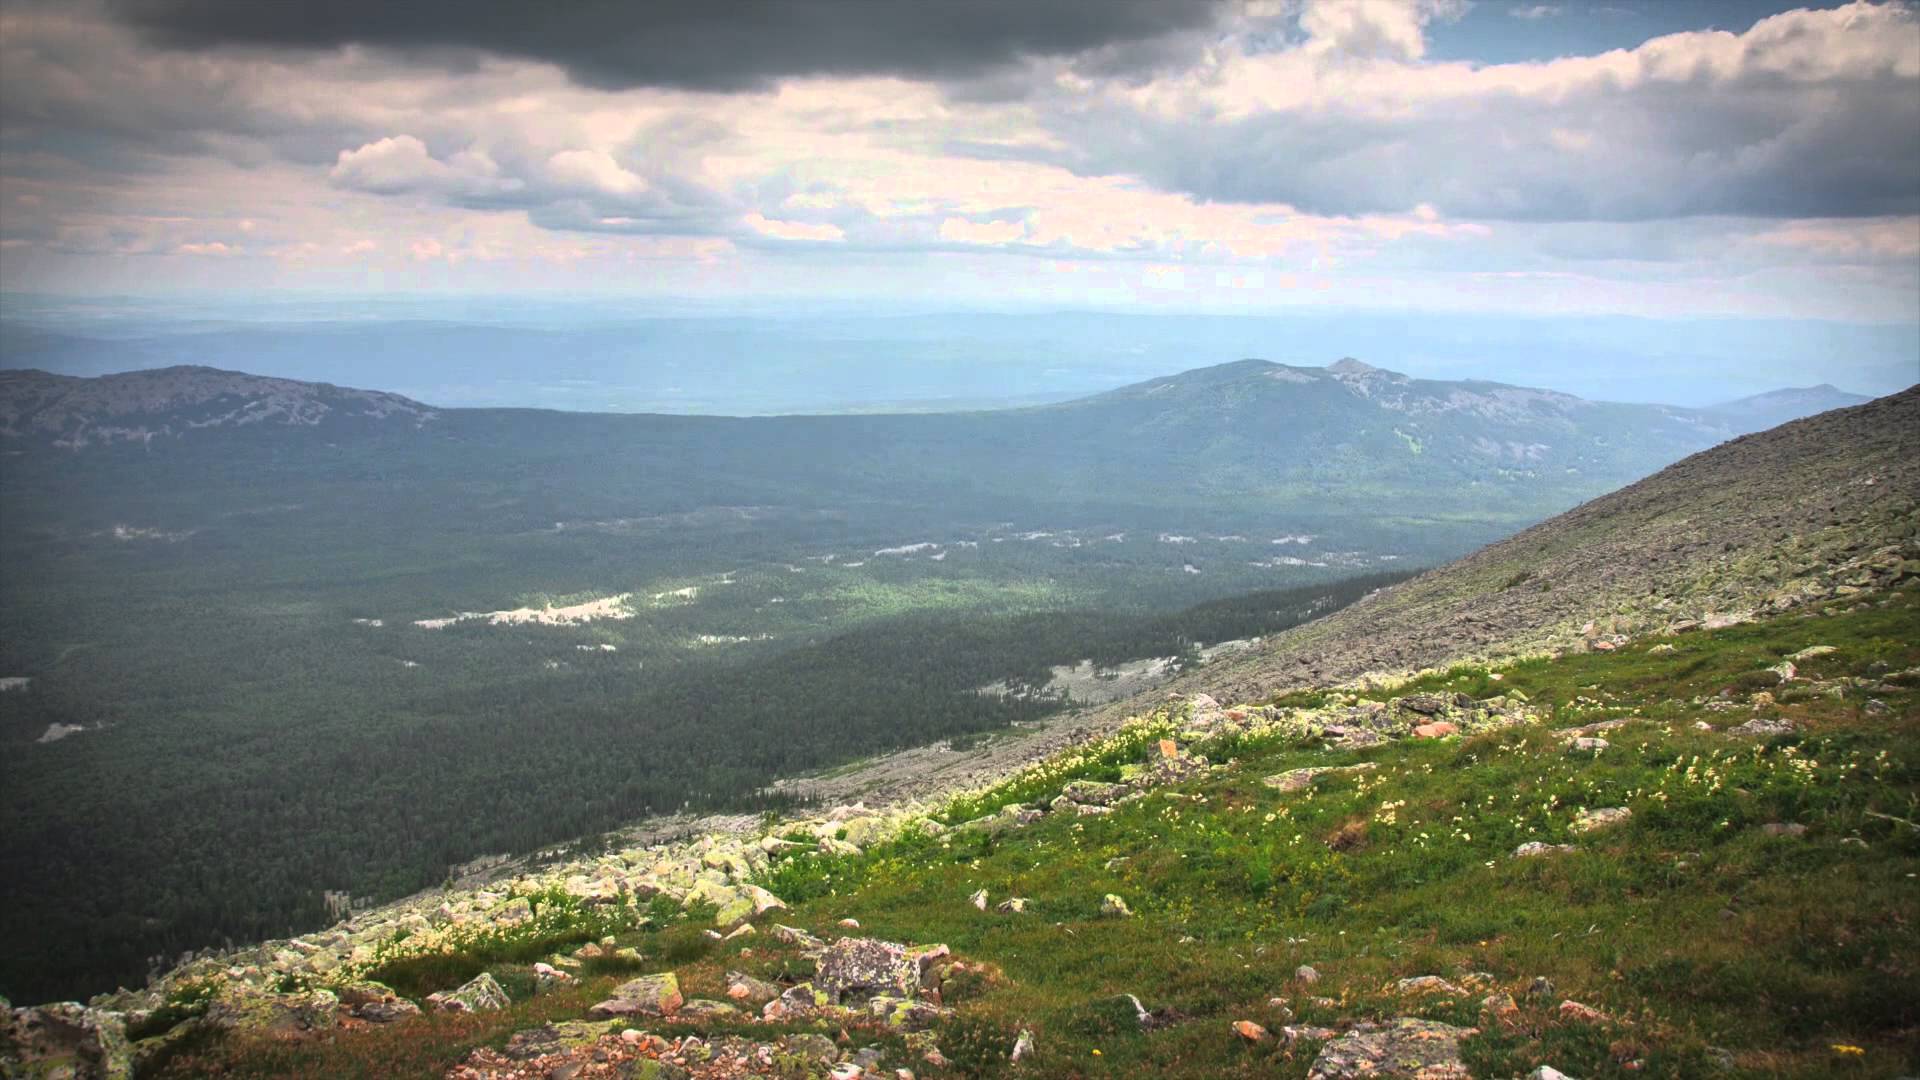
x=1749 y=916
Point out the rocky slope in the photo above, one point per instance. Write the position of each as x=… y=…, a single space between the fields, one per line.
x=1808 y=510
x=1775 y=407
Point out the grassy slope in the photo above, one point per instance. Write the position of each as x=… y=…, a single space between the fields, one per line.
x=1690 y=923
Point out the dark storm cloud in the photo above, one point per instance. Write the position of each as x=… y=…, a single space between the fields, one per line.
x=696 y=44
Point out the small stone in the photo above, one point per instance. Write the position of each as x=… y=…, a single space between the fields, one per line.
x=1787 y=828
x=1438 y=729
x=1547 y=1072
x=1251 y=1031
x=1763 y=727
x=1022 y=1046
x=1592 y=745
x=979 y=899
x=1013 y=905
x=1534 y=848
x=1500 y=1007
x=1541 y=989
x=1305 y=975
x=849 y=924
x=1428 y=984
x=1115 y=907
x=1606 y=817
x=1586 y=1014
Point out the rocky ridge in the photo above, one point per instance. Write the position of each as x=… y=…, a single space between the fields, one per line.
x=72 y=413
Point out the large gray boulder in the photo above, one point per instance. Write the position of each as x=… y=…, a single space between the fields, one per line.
x=864 y=967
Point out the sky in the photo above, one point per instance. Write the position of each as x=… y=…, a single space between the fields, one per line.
x=1664 y=159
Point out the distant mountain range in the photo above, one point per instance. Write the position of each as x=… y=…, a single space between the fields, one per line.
x=1762 y=411
x=139 y=406
x=1249 y=427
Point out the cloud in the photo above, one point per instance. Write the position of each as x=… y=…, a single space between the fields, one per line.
x=1391 y=29
x=795 y=230
x=1806 y=114
x=1535 y=11
x=691 y=44
x=400 y=164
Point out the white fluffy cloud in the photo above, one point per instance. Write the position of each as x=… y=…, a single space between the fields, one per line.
x=1312 y=148
x=400 y=164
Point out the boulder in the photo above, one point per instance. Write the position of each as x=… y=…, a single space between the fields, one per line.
x=1763 y=727
x=1428 y=984
x=864 y=967
x=705 y=1009
x=1406 y=1048
x=789 y=935
x=1301 y=779
x=1093 y=792
x=648 y=995
x=906 y=1014
x=374 y=1002
x=1606 y=817
x=65 y=1040
x=244 y=1007
x=556 y=1038
x=482 y=994
x=1251 y=1031
x=746 y=989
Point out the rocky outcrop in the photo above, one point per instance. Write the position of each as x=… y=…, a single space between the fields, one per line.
x=66 y=1039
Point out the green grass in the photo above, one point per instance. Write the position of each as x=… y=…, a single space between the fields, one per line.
x=1705 y=936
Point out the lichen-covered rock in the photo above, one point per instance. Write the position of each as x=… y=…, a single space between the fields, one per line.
x=559 y=1037
x=1428 y=984
x=1093 y=792
x=648 y=995
x=864 y=966
x=748 y=990
x=244 y=1007
x=705 y=1009
x=64 y=1040
x=1604 y=818
x=481 y=994
x=1301 y=779
x=1403 y=1049
x=906 y=1014
x=374 y=1002
x=790 y=935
